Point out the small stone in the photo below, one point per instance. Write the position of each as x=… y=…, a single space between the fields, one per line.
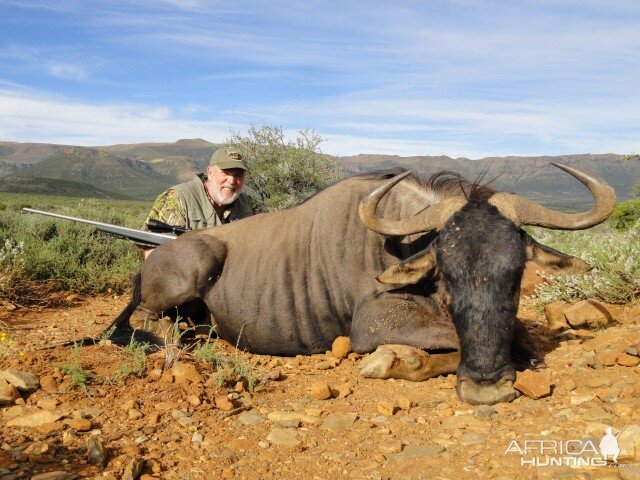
x=387 y=408
x=197 y=438
x=133 y=469
x=341 y=347
x=607 y=359
x=325 y=365
x=79 y=424
x=320 y=391
x=34 y=419
x=37 y=448
x=48 y=403
x=177 y=414
x=285 y=437
x=339 y=423
x=632 y=350
x=627 y=360
x=554 y=312
x=223 y=403
x=8 y=393
x=24 y=381
x=532 y=384
x=48 y=384
x=417 y=451
x=195 y=399
x=251 y=418
x=485 y=412
x=153 y=418
x=95 y=452
x=264 y=444
x=135 y=414
x=49 y=428
x=186 y=372
x=155 y=374
x=128 y=405
x=57 y=475
x=275 y=375
x=473 y=438
x=405 y=403
x=629 y=443
x=390 y=446
x=188 y=422
x=596 y=414
x=588 y=313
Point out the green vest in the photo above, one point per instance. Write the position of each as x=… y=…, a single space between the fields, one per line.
x=199 y=209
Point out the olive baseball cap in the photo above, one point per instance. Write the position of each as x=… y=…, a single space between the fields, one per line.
x=226 y=157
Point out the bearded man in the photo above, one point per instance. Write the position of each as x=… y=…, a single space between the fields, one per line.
x=209 y=200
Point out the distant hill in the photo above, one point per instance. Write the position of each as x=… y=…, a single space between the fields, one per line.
x=123 y=176
x=49 y=186
x=143 y=170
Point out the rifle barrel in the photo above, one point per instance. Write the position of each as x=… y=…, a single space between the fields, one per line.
x=130 y=233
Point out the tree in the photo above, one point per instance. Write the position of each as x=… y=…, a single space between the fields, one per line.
x=635 y=190
x=284 y=172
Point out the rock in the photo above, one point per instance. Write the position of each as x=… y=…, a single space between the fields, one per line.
x=631 y=471
x=188 y=422
x=48 y=384
x=153 y=418
x=588 y=313
x=275 y=375
x=285 y=437
x=387 y=408
x=251 y=418
x=290 y=417
x=341 y=347
x=186 y=372
x=79 y=424
x=197 y=438
x=135 y=414
x=405 y=403
x=34 y=419
x=596 y=414
x=379 y=420
x=607 y=359
x=133 y=469
x=343 y=390
x=390 y=446
x=223 y=403
x=264 y=444
x=48 y=403
x=95 y=452
x=339 y=423
x=598 y=380
x=320 y=391
x=24 y=381
x=37 y=448
x=417 y=451
x=555 y=316
x=49 y=428
x=325 y=365
x=8 y=393
x=532 y=384
x=580 y=399
x=627 y=360
x=57 y=475
x=485 y=412
x=196 y=401
x=473 y=438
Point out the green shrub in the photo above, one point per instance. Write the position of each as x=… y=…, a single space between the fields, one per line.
x=625 y=215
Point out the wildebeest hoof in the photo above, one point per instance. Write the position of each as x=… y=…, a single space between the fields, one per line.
x=486 y=393
x=409 y=363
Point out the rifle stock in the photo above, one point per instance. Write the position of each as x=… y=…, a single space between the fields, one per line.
x=164 y=234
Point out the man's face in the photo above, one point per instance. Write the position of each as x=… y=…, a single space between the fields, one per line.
x=224 y=186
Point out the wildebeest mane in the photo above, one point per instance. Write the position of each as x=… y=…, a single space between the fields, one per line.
x=451 y=184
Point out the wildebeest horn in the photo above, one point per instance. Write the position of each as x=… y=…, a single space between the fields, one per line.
x=527 y=212
x=431 y=218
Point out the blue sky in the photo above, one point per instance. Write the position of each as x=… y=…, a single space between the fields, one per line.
x=458 y=78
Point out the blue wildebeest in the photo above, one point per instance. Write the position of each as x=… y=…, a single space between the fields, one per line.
x=434 y=266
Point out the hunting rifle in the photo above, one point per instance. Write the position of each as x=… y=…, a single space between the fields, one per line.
x=158 y=233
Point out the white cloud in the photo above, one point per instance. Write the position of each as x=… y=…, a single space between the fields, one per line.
x=67 y=71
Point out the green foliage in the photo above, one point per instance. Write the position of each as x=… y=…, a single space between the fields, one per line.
x=614 y=254
x=229 y=370
x=39 y=255
x=625 y=215
x=136 y=362
x=284 y=172
x=74 y=371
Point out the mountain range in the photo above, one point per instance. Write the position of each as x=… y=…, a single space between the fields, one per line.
x=143 y=170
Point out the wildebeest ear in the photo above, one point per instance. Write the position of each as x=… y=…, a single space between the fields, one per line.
x=553 y=261
x=410 y=270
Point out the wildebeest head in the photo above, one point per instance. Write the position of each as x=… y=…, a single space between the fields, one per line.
x=479 y=256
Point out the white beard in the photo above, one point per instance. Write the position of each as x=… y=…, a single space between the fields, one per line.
x=219 y=198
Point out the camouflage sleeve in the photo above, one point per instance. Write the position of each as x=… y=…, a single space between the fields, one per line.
x=168 y=209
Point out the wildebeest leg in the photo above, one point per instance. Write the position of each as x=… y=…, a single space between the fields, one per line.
x=401 y=327
x=176 y=275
